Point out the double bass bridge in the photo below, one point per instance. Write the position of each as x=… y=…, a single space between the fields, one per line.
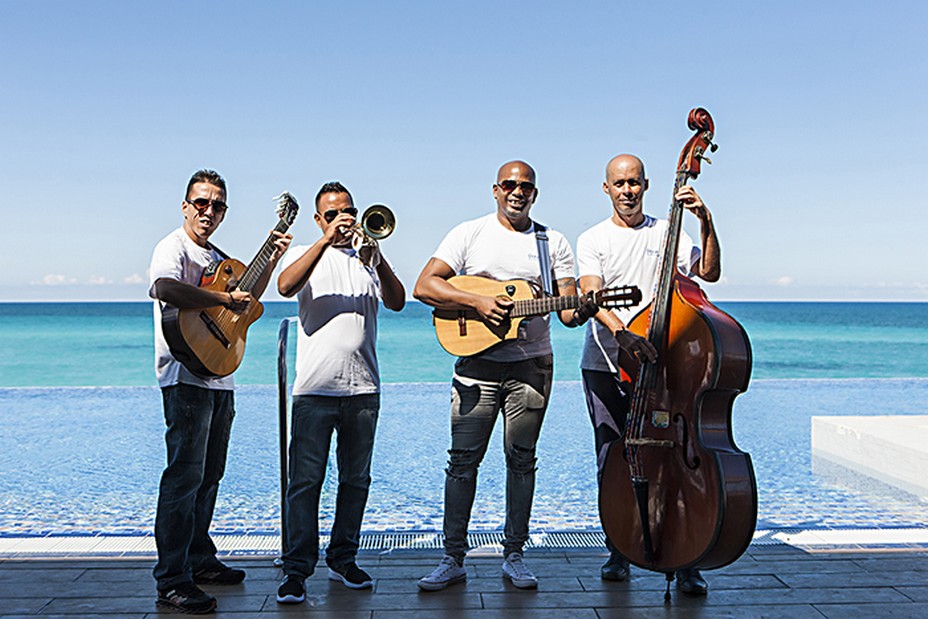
x=650 y=442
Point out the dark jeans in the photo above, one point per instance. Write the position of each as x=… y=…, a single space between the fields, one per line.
x=480 y=390
x=198 y=425
x=314 y=418
x=608 y=406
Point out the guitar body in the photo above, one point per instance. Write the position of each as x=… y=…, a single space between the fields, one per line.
x=462 y=333
x=210 y=341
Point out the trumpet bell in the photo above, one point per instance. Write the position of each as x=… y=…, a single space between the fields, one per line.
x=378 y=222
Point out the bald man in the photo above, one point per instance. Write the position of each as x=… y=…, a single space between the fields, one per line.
x=512 y=377
x=623 y=250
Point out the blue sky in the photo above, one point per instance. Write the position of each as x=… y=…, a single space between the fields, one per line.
x=106 y=108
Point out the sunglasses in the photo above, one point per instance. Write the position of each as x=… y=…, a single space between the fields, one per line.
x=201 y=204
x=330 y=215
x=510 y=185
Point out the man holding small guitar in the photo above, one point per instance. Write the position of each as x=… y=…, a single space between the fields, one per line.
x=512 y=376
x=198 y=410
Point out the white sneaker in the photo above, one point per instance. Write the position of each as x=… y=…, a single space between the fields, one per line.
x=447 y=573
x=514 y=569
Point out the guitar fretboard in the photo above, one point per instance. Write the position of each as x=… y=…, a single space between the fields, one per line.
x=533 y=307
x=257 y=266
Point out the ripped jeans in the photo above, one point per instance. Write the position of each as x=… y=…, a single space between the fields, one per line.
x=480 y=390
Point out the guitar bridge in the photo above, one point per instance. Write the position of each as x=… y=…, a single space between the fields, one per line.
x=215 y=330
x=462 y=323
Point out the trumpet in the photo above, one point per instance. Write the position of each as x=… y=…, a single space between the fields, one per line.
x=377 y=223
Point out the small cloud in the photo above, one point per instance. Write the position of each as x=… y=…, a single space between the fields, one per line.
x=784 y=280
x=57 y=280
x=135 y=278
x=99 y=281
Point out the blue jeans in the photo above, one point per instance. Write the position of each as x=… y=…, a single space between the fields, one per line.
x=313 y=420
x=199 y=422
x=480 y=390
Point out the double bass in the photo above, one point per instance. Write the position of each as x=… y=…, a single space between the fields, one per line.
x=675 y=491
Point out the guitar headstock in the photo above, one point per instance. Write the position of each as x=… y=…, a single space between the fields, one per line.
x=617 y=297
x=287 y=207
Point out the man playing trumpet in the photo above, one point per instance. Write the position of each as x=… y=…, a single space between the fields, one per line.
x=337 y=387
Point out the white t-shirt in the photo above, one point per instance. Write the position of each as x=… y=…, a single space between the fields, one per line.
x=624 y=257
x=336 y=354
x=178 y=257
x=484 y=247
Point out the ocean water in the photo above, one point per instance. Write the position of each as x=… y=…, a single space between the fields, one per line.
x=110 y=344
x=81 y=430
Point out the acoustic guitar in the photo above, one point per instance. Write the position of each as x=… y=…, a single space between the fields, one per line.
x=463 y=333
x=210 y=341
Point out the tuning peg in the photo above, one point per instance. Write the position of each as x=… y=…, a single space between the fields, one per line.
x=713 y=147
x=706 y=159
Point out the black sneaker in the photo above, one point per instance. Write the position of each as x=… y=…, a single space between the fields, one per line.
x=616 y=568
x=291 y=590
x=219 y=574
x=351 y=576
x=186 y=598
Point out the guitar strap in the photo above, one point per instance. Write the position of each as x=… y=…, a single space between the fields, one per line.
x=224 y=255
x=213 y=266
x=544 y=258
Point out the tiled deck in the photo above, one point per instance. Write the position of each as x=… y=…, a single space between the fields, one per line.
x=770 y=580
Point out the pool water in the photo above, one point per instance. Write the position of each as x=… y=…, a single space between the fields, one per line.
x=88 y=460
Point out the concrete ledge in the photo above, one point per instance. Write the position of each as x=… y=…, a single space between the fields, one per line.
x=890 y=449
x=482 y=544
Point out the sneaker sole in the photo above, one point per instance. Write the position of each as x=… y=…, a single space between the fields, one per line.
x=291 y=599
x=333 y=575
x=438 y=586
x=521 y=584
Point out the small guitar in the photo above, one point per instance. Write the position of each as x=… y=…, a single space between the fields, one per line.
x=210 y=341
x=463 y=333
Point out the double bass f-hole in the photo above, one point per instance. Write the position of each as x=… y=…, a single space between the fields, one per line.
x=690 y=459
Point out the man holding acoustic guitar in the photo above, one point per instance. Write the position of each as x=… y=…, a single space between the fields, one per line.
x=626 y=248
x=514 y=374
x=198 y=409
x=337 y=387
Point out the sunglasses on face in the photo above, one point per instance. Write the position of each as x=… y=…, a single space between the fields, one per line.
x=510 y=186
x=201 y=204
x=330 y=215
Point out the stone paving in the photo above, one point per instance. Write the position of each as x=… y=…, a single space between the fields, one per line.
x=768 y=581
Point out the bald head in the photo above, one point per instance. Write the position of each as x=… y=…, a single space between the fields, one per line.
x=513 y=169
x=515 y=192
x=626 y=185
x=623 y=162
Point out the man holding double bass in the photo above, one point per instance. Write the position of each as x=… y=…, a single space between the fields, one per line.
x=198 y=410
x=625 y=249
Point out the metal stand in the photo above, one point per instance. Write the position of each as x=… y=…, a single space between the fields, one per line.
x=283 y=424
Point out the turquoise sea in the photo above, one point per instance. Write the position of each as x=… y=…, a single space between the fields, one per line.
x=110 y=344
x=81 y=446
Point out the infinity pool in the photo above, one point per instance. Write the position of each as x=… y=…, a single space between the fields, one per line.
x=88 y=460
